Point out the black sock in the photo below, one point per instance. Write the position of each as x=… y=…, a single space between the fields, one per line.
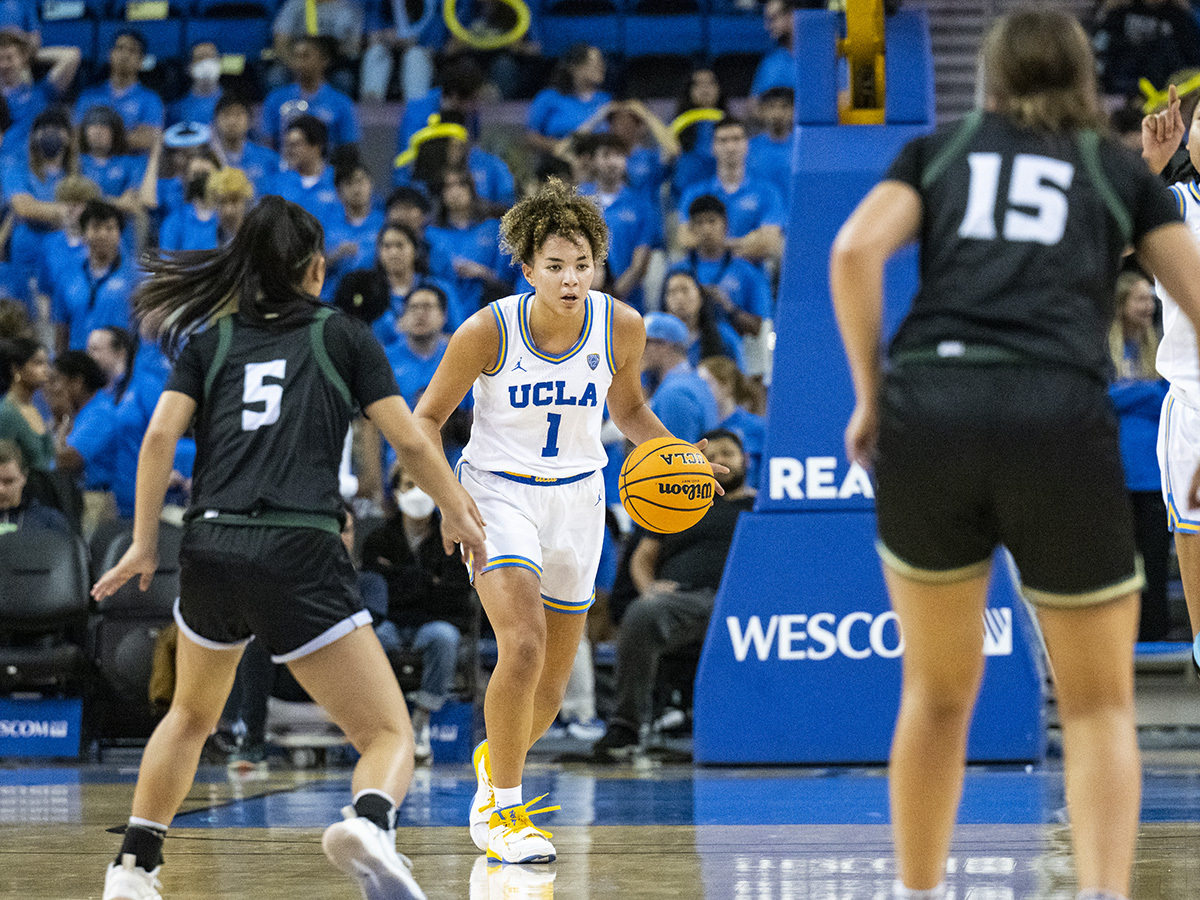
x=145 y=844
x=376 y=808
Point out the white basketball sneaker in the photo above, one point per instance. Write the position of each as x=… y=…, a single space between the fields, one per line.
x=485 y=801
x=512 y=838
x=129 y=881
x=366 y=852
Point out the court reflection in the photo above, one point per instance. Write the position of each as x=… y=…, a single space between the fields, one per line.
x=513 y=882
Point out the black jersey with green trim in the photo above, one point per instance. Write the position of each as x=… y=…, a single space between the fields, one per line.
x=1021 y=238
x=274 y=406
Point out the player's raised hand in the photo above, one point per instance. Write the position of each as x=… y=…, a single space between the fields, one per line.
x=137 y=560
x=1162 y=133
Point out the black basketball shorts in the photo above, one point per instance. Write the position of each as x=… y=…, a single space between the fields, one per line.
x=294 y=589
x=974 y=456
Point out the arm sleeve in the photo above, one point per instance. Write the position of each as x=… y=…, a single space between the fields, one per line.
x=360 y=359
x=190 y=369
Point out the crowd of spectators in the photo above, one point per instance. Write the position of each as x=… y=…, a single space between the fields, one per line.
x=695 y=198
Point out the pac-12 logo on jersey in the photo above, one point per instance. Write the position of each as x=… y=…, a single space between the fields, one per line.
x=549 y=393
x=593 y=360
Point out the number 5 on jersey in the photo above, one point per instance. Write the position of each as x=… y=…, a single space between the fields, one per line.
x=1038 y=183
x=258 y=391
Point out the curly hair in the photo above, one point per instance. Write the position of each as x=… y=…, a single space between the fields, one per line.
x=555 y=209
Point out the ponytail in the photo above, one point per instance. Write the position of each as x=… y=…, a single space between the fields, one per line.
x=257 y=274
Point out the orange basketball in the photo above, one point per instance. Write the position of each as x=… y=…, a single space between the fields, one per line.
x=666 y=485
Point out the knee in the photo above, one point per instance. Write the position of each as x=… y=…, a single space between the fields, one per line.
x=524 y=652
x=642 y=620
x=192 y=723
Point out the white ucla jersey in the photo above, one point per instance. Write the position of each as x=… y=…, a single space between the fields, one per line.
x=536 y=415
x=1177 y=359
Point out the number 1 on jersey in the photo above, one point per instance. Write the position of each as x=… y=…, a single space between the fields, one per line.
x=551 y=448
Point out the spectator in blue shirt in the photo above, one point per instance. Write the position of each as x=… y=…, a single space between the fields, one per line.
x=200 y=103
x=103 y=159
x=735 y=397
x=573 y=97
x=29 y=192
x=310 y=95
x=64 y=249
x=770 y=155
x=464 y=247
x=421 y=341
x=692 y=304
x=350 y=240
x=230 y=127
x=139 y=107
x=113 y=349
x=307 y=180
x=494 y=182
x=695 y=162
x=134 y=405
x=755 y=210
x=26 y=97
x=461 y=81
x=339 y=25
x=193 y=226
x=230 y=194
x=85 y=413
x=97 y=292
x=402 y=261
x=739 y=288
x=413 y=43
x=632 y=225
x=777 y=68
x=681 y=399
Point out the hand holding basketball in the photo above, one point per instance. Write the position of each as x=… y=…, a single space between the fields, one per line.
x=666 y=485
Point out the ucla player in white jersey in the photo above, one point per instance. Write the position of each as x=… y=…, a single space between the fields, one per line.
x=542 y=366
x=1179 y=362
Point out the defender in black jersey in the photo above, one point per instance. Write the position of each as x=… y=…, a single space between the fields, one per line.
x=270 y=380
x=992 y=426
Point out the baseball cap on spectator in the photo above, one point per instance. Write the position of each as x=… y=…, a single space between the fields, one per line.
x=665 y=327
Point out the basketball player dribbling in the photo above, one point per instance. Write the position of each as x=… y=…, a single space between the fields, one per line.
x=542 y=366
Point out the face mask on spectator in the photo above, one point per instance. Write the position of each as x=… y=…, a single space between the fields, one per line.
x=50 y=144
x=206 y=70
x=196 y=186
x=416 y=504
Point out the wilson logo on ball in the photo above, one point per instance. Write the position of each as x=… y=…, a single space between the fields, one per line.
x=692 y=491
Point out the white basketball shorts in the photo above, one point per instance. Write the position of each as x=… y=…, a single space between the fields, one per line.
x=556 y=530
x=1178 y=456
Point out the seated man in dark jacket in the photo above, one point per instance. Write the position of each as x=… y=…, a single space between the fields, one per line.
x=17 y=511
x=429 y=593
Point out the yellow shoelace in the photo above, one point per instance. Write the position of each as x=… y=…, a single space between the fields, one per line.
x=517 y=817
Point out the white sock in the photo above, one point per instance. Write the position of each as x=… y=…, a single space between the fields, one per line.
x=900 y=892
x=506 y=797
x=146 y=823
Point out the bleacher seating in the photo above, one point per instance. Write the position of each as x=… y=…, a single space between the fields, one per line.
x=700 y=29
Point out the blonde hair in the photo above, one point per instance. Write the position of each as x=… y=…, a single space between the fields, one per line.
x=555 y=209
x=77 y=189
x=1141 y=366
x=228 y=184
x=1039 y=71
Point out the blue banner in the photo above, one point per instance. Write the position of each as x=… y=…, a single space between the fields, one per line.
x=40 y=727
